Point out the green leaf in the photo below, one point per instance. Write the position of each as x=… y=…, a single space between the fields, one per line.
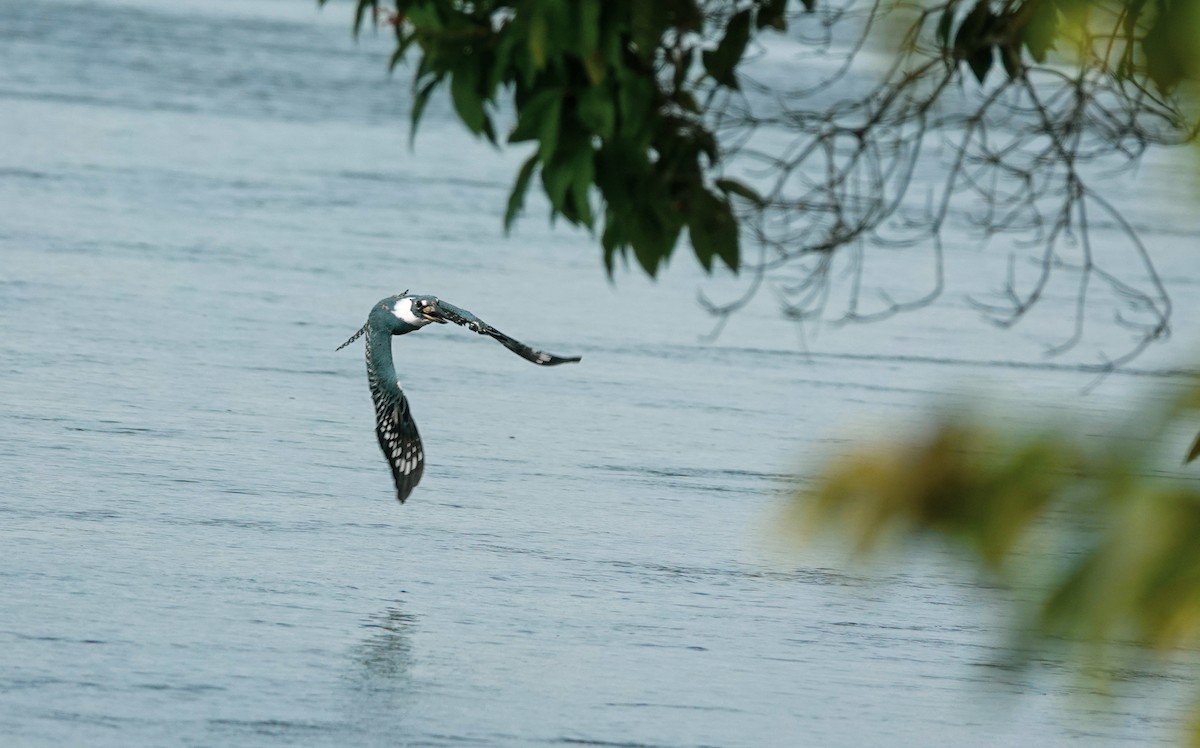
x=1194 y=452
x=635 y=103
x=464 y=89
x=531 y=114
x=556 y=16
x=713 y=230
x=655 y=227
x=647 y=23
x=971 y=29
x=516 y=199
x=1011 y=59
x=583 y=169
x=684 y=15
x=636 y=223
x=648 y=240
x=612 y=42
x=726 y=232
x=706 y=143
x=735 y=187
x=556 y=179
x=582 y=207
x=361 y=12
x=1164 y=47
x=597 y=111
x=538 y=34
x=1039 y=33
x=971 y=42
x=489 y=130
x=981 y=61
x=548 y=134
x=502 y=62
x=944 y=25
x=424 y=16
x=418 y=107
x=570 y=172
x=686 y=101
x=772 y=13
x=538 y=120
x=596 y=67
x=613 y=240
x=720 y=63
x=428 y=66
x=589 y=27
x=402 y=46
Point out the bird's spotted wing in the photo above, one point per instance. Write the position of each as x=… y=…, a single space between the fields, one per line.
x=451 y=313
x=529 y=354
x=398 y=438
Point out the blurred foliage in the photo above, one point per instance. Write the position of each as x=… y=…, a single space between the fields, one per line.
x=608 y=91
x=1155 y=41
x=1122 y=534
x=622 y=96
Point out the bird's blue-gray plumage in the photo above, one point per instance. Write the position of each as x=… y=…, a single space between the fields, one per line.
x=394 y=425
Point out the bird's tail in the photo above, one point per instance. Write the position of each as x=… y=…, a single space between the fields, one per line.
x=353 y=337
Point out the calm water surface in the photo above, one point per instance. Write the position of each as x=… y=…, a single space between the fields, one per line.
x=198 y=540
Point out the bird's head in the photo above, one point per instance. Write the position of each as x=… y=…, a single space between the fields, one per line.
x=406 y=312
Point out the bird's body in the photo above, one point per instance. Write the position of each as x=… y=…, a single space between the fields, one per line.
x=394 y=425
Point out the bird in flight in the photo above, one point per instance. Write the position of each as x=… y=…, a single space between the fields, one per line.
x=398 y=315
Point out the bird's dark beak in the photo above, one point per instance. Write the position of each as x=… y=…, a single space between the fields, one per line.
x=429 y=310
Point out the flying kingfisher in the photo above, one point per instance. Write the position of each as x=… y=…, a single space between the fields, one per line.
x=397 y=315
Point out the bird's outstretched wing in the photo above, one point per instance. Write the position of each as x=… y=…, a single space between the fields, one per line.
x=450 y=313
x=398 y=437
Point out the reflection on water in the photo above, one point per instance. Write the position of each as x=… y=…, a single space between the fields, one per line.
x=385 y=656
x=379 y=684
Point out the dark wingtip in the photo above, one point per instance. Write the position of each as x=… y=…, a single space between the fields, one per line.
x=403 y=492
x=556 y=360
